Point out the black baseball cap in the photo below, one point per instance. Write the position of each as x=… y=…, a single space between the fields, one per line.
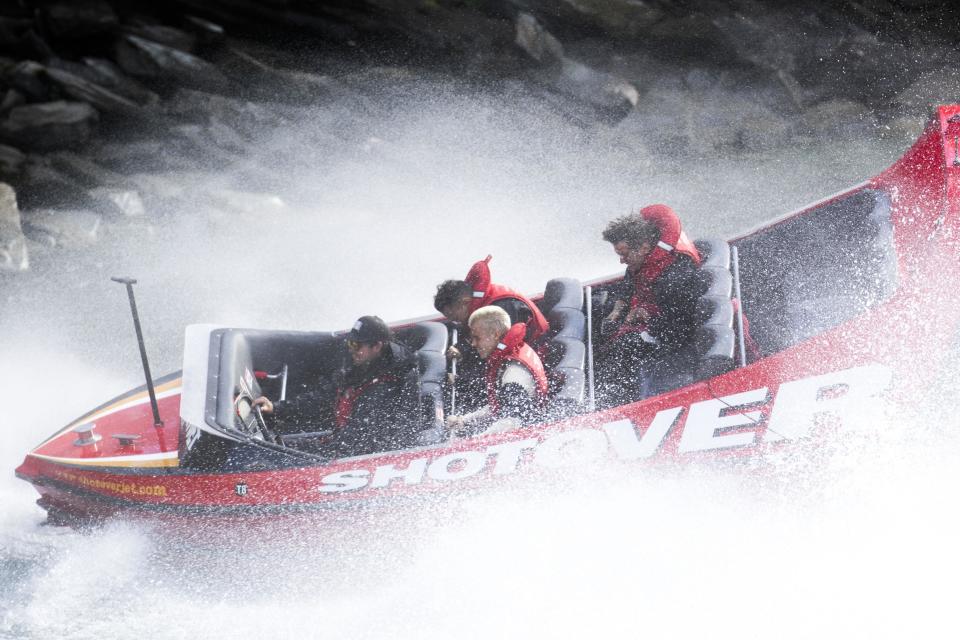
x=369 y=329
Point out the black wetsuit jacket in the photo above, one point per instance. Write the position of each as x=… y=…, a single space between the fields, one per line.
x=675 y=292
x=383 y=415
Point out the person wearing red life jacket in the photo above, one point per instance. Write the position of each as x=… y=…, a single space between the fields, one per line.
x=456 y=300
x=368 y=401
x=654 y=305
x=515 y=380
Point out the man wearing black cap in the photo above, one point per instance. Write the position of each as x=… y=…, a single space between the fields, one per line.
x=372 y=400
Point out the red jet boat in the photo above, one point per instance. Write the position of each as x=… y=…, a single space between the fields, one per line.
x=850 y=301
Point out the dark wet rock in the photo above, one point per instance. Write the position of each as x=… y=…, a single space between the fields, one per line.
x=13 y=31
x=208 y=33
x=79 y=18
x=246 y=118
x=42 y=185
x=693 y=36
x=30 y=79
x=104 y=100
x=11 y=162
x=934 y=87
x=18 y=37
x=50 y=125
x=13 y=246
x=609 y=98
x=837 y=118
x=172 y=154
x=536 y=41
x=11 y=98
x=165 y=35
x=622 y=18
x=262 y=81
x=109 y=75
x=83 y=170
x=118 y=202
x=64 y=228
x=145 y=59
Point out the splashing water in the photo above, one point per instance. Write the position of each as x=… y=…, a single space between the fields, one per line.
x=862 y=544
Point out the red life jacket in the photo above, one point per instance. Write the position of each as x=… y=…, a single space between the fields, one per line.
x=486 y=293
x=672 y=241
x=512 y=348
x=347 y=398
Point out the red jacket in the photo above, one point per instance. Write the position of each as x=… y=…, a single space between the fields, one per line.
x=486 y=293
x=512 y=348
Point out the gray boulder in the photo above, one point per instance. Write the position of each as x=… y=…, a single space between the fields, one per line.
x=839 y=117
x=30 y=79
x=13 y=246
x=118 y=202
x=51 y=125
x=11 y=98
x=165 y=35
x=145 y=59
x=598 y=95
x=107 y=74
x=42 y=185
x=623 y=18
x=102 y=99
x=66 y=228
x=539 y=43
x=934 y=87
x=83 y=170
x=11 y=162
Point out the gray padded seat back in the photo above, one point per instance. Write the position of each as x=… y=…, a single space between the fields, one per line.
x=429 y=342
x=235 y=375
x=566 y=293
x=563 y=349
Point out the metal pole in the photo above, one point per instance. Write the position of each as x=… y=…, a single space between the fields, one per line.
x=735 y=263
x=283 y=383
x=129 y=282
x=453 y=376
x=591 y=396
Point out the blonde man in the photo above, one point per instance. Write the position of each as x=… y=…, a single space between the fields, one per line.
x=516 y=382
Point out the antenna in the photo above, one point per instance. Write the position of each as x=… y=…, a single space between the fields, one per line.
x=129 y=282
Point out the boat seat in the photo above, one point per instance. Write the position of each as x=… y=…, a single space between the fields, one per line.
x=563 y=348
x=428 y=340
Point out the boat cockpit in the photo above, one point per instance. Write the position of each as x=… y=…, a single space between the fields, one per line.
x=798 y=277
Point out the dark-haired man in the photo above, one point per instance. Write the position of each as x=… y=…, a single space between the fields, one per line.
x=456 y=300
x=369 y=404
x=654 y=304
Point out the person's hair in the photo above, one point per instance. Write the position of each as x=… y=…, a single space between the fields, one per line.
x=492 y=318
x=450 y=292
x=632 y=230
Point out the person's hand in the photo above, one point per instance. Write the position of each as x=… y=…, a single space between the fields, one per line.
x=455 y=424
x=637 y=315
x=264 y=403
x=453 y=353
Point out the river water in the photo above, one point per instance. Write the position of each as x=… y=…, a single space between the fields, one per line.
x=862 y=545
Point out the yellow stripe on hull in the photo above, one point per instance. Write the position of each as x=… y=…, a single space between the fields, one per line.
x=173 y=461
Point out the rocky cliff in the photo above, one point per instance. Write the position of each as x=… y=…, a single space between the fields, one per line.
x=113 y=112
